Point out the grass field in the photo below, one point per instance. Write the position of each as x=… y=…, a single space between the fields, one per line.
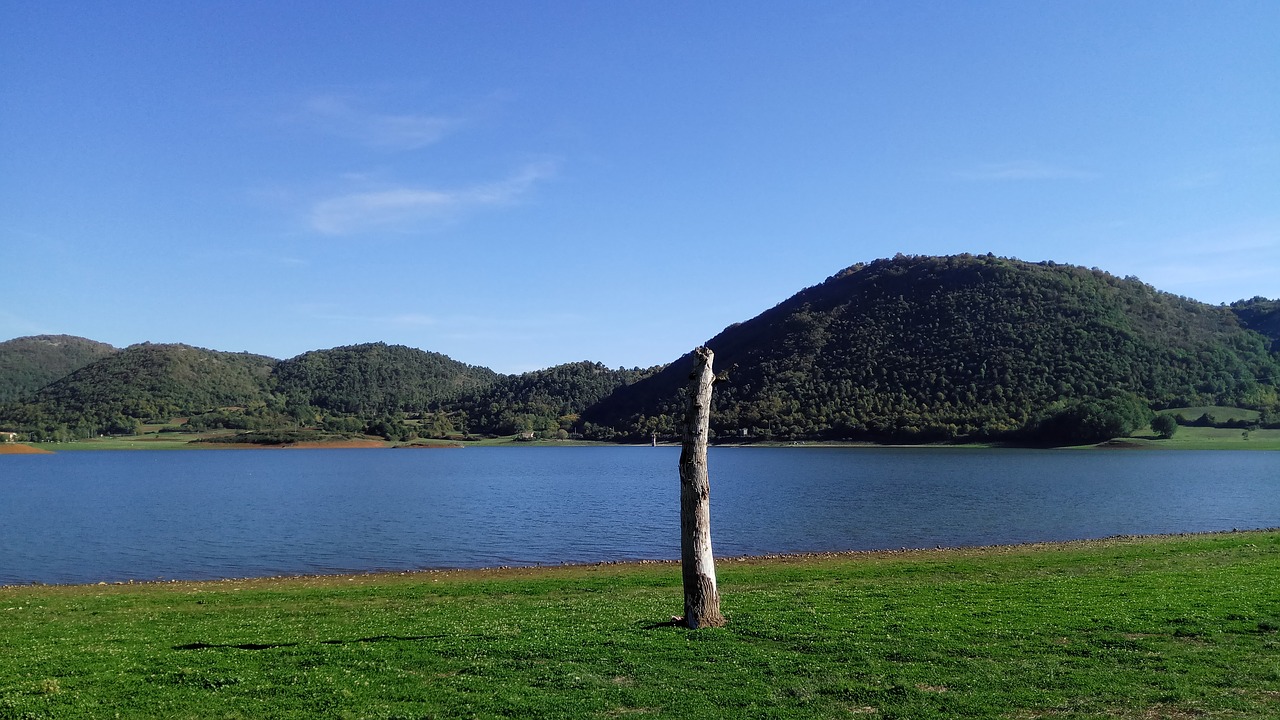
x=1220 y=413
x=1179 y=627
x=135 y=442
x=1198 y=438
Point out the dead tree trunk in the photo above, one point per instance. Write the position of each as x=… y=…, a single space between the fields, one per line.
x=698 y=565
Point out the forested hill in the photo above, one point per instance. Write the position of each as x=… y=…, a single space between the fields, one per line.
x=380 y=389
x=29 y=363
x=1260 y=315
x=932 y=348
x=546 y=401
x=145 y=382
x=376 y=379
x=904 y=349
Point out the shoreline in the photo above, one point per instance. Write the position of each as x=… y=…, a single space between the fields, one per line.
x=194 y=445
x=519 y=571
x=15 y=448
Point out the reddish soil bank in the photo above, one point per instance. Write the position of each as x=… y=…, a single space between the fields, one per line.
x=20 y=449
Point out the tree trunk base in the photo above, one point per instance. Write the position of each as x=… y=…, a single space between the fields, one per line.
x=708 y=615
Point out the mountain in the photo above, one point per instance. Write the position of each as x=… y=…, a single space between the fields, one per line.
x=933 y=348
x=542 y=400
x=375 y=379
x=901 y=349
x=29 y=363
x=144 y=382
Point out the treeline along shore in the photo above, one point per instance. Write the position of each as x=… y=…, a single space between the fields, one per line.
x=912 y=349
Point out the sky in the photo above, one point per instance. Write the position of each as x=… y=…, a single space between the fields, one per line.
x=523 y=184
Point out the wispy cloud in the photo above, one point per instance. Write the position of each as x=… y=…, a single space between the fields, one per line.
x=1023 y=170
x=469 y=327
x=1220 y=265
x=14 y=326
x=410 y=320
x=330 y=313
x=406 y=208
x=337 y=115
x=1196 y=181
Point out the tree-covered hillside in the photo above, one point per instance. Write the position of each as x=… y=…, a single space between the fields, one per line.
x=930 y=348
x=376 y=379
x=29 y=363
x=1262 y=316
x=906 y=349
x=143 y=383
x=543 y=401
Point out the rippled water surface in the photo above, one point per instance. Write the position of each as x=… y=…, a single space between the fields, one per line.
x=91 y=516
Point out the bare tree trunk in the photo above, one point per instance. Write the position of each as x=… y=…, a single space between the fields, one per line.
x=698 y=566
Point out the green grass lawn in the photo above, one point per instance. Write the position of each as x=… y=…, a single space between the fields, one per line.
x=146 y=441
x=1198 y=438
x=1220 y=413
x=1181 y=627
x=136 y=442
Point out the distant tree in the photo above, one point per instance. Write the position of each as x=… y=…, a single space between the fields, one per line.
x=389 y=428
x=1165 y=426
x=1095 y=420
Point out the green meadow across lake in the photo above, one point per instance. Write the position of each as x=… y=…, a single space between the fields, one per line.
x=1161 y=627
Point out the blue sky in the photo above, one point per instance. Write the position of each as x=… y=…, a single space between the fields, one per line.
x=520 y=184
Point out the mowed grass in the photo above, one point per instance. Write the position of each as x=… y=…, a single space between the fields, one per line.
x=151 y=441
x=1221 y=413
x=1202 y=438
x=1179 y=627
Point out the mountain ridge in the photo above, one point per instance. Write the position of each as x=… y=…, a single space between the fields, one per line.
x=31 y=362
x=944 y=348
x=910 y=348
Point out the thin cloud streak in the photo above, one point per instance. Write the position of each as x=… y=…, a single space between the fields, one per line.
x=1219 y=266
x=15 y=326
x=325 y=313
x=1196 y=181
x=336 y=116
x=408 y=207
x=1023 y=170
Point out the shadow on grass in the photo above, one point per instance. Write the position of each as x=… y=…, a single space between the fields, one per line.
x=272 y=646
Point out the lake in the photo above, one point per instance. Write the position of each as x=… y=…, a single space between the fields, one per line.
x=90 y=516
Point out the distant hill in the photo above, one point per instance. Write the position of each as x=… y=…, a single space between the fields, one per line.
x=376 y=378
x=29 y=363
x=933 y=348
x=902 y=349
x=144 y=383
x=1262 y=316
x=542 y=400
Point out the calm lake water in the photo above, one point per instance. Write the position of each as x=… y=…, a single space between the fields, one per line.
x=81 y=517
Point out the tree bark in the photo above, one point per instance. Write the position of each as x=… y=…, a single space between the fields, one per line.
x=697 y=563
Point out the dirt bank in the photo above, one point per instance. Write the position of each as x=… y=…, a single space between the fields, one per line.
x=20 y=449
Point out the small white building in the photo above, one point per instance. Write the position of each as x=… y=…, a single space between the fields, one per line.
x=8 y=437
